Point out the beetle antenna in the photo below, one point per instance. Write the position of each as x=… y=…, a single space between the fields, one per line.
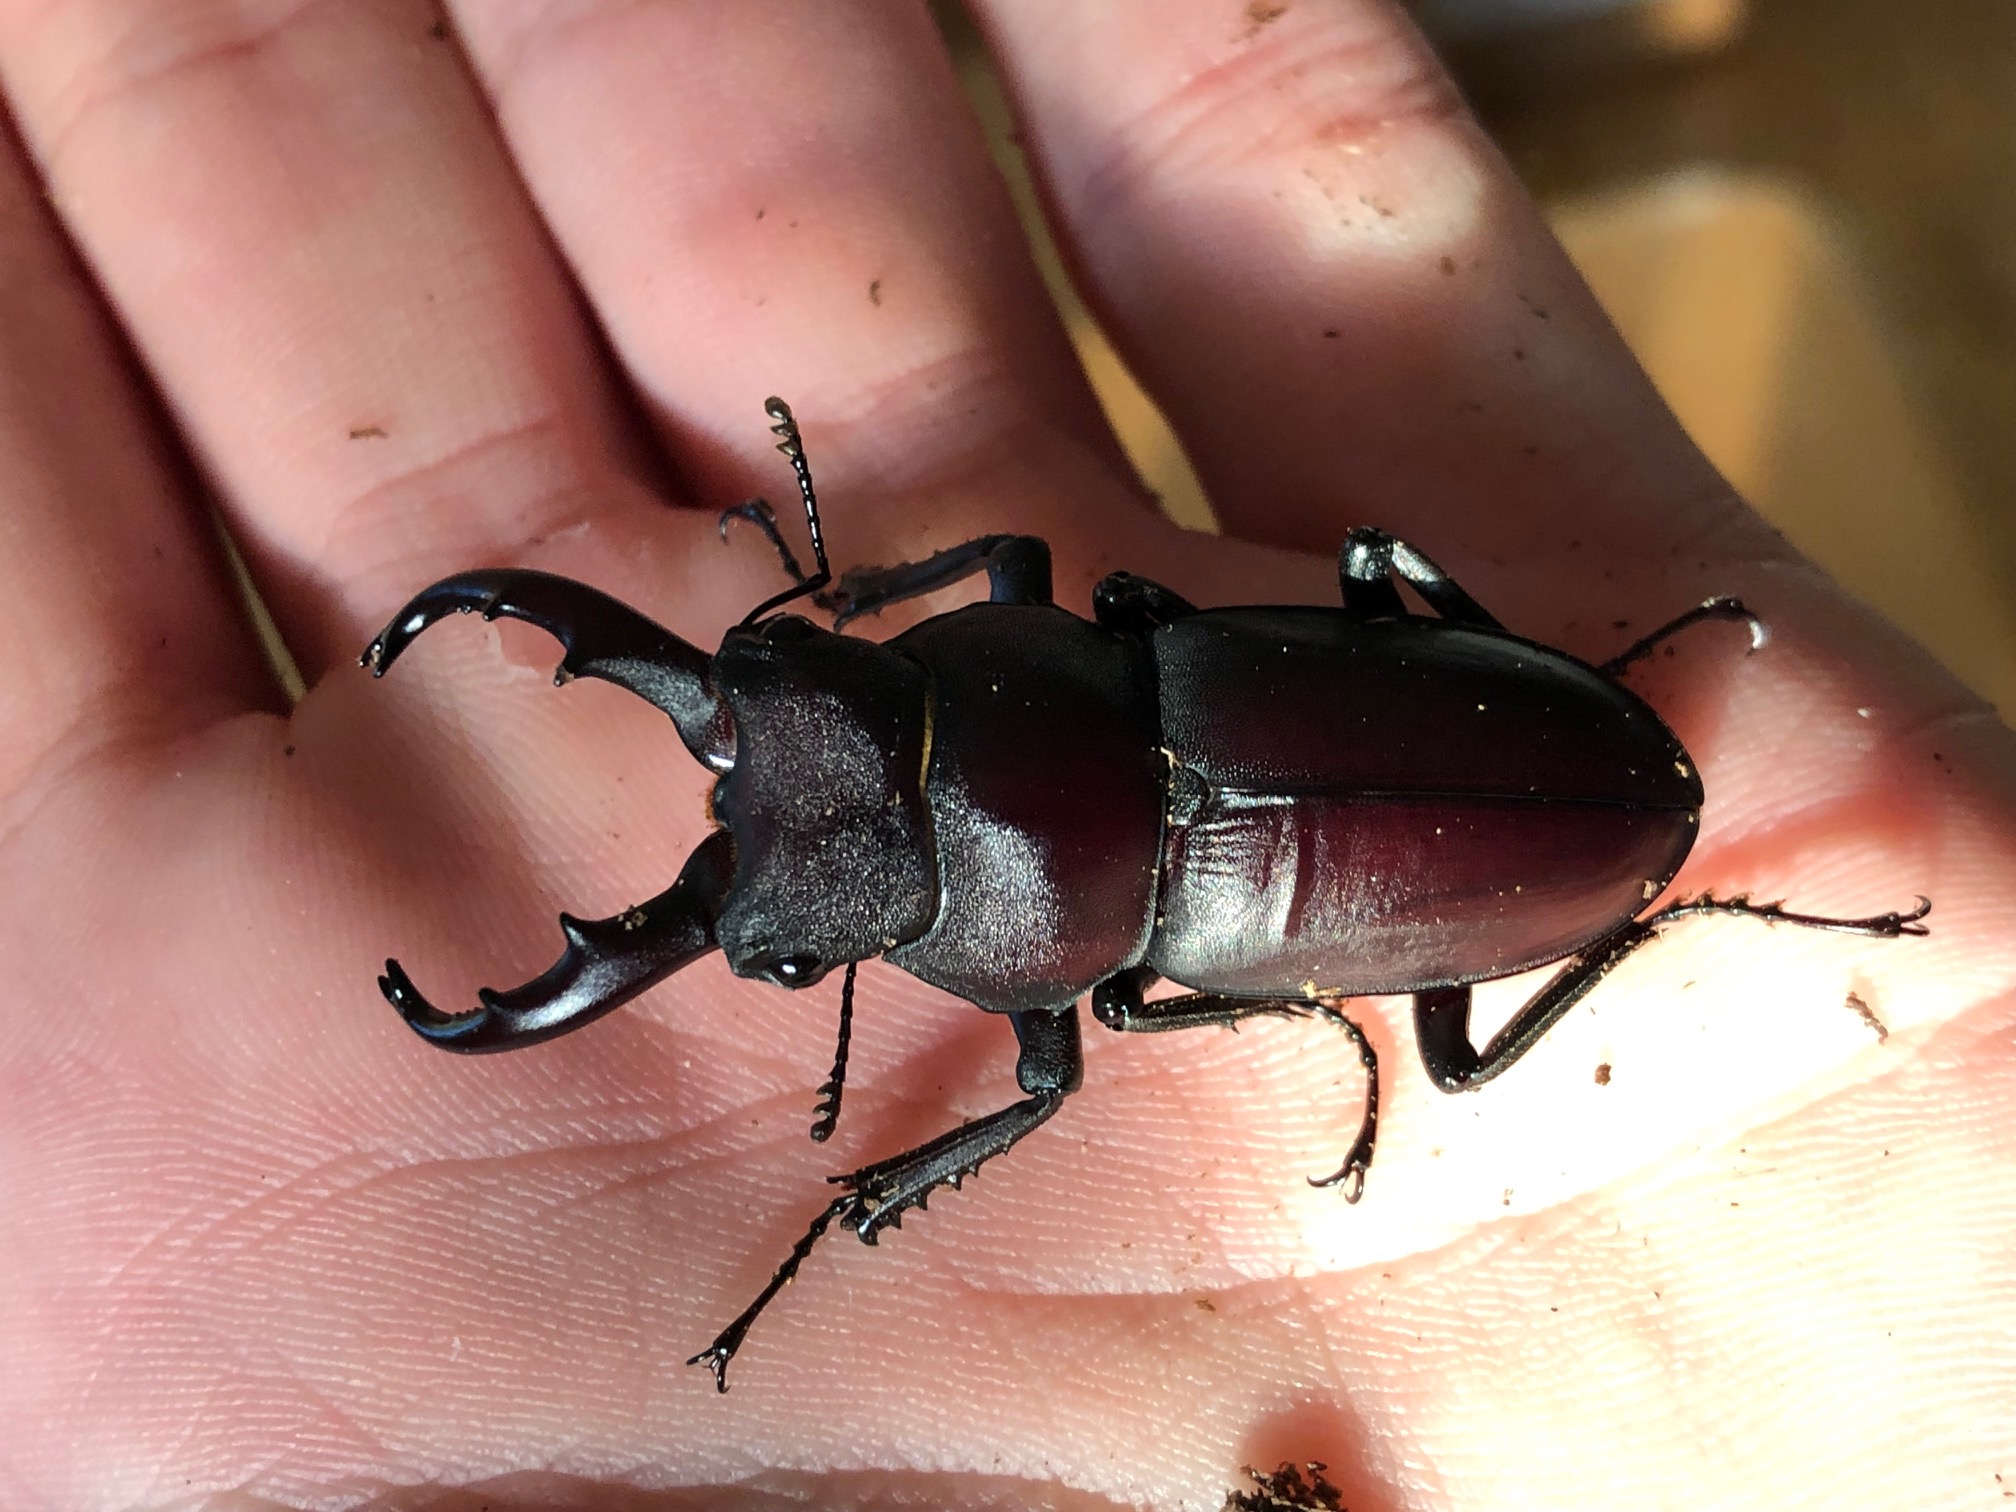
x=827 y=1114
x=793 y=447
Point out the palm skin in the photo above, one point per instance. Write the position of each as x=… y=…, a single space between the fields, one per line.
x=260 y=1246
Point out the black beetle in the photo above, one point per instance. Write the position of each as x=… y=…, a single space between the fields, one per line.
x=1277 y=807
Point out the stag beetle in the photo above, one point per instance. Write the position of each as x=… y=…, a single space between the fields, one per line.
x=1276 y=807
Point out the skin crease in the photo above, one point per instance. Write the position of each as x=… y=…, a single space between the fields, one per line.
x=404 y=297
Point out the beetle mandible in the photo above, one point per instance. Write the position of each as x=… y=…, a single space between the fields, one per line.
x=1277 y=807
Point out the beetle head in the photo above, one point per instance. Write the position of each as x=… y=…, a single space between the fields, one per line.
x=833 y=853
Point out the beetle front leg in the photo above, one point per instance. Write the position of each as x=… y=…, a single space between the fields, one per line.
x=607 y=963
x=1049 y=1068
x=1442 y=1016
x=1017 y=567
x=759 y=513
x=1117 y=1003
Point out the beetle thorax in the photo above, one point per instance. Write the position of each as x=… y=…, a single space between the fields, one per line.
x=833 y=856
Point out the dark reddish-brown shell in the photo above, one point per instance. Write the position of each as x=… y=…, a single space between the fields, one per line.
x=1405 y=804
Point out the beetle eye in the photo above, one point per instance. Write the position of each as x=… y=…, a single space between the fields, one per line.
x=795 y=971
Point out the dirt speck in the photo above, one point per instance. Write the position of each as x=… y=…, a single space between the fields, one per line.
x=1205 y=1304
x=1291 y=1488
x=1262 y=13
x=438 y=31
x=1868 y=1016
x=875 y=292
x=1447 y=265
x=367 y=433
x=1603 y=1073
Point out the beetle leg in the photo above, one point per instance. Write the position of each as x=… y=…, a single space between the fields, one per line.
x=1117 y=1003
x=1017 y=567
x=759 y=513
x=1715 y=608
x=1049 y=1068
x=1370 y=559
x=607 y=962
x=1122 y=601
x=1442 y=1016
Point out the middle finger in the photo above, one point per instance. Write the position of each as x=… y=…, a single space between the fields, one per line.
x=792 y=198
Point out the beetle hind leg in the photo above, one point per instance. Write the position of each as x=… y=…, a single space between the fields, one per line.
x=1442 y=1015
x=1118 y=1004
x=607 y=963
x=1716 y=608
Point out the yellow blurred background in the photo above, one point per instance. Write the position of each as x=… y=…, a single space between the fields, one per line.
x=1802 y=216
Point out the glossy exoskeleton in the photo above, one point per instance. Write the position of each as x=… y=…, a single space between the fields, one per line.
x=1276 y=807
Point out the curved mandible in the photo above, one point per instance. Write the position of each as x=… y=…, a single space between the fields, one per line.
x=602 y=638
x=607 y=963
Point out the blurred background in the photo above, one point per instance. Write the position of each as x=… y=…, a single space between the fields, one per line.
x=1802 y=216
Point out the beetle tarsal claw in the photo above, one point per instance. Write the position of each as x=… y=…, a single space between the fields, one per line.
x=1351 y=1177
x=716 y=1359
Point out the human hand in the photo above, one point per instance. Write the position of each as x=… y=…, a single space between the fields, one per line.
x=418 y=302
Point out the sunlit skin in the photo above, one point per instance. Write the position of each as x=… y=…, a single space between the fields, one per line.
x=512 y=294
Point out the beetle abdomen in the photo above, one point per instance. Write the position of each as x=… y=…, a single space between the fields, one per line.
x=1359 y=894
x=1333 y=822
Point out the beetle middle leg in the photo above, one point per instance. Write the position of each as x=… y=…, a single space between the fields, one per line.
x=1442 y=1015
x=1049 y=1068
x=1117 y=1003
x=1370 y=559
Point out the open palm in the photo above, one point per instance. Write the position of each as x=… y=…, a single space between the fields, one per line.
x=412 y=296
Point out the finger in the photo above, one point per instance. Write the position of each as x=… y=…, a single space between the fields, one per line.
x=810 y=212
x=120 y=622
x=1348 y=307
x=307 y=224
